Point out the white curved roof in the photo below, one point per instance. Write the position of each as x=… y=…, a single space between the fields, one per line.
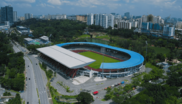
x=66 y=57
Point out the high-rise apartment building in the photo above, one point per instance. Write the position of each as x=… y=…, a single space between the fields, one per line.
x=31 y=15
x=168 y=30
x=144 y=18
x=161 y=21
x=7 y=14
x=127 y=14
x=156 y=19
x=15 y=19
x=134 y=24
x=116 y=20
x=28 y=16
x=124 y=25
x=97 y=19
x=111 y=21
x=105 y=21
x=90 y=19
x=147 y=25
x=101 y=19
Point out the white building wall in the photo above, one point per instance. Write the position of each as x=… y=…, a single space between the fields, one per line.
x=101 y=19
x=31 y=15
x=111 y=21
x=171 y=31
x=124 y=25
x=140 y=23
x=27 y=16
x=90 y=19
x=97 y=19
x=161 y=21
x=105 y=21
x=144 y=18
x=134 y=24
x=15 y=19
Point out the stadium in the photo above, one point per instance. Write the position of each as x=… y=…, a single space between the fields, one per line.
x=92 y=59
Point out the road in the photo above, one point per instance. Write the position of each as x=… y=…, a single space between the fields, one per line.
x=39 y=81
x=30 y=94
x=34 y=73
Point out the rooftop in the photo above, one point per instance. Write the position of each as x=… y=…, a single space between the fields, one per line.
x=44 y=38
x=28 y=39
x=68 y=58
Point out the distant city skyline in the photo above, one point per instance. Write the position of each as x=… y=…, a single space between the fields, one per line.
x=163 y=8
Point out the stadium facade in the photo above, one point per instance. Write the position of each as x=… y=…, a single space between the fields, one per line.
x=65 y=58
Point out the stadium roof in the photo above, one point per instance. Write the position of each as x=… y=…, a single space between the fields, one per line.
x=136 y=58
x=68 y=58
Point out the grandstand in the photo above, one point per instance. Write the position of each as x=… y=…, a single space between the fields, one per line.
x=68 y=59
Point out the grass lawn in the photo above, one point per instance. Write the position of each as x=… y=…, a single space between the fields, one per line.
x=84 y=36
x=98 y=58
x=103 y=37
x=161 y=50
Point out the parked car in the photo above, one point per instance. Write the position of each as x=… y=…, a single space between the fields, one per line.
x=95 y=92
x=122 y=82
x=112 y=85
x=116 y=84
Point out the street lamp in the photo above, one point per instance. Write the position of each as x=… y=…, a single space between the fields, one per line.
x=146 y=50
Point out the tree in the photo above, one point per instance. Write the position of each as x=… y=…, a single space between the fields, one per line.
x=128 y=87
x=16 y=100
x=85 y=98
x=107 y=97
x=6 y=93
x=181 y=92
x=115 y=26
x=2 y=70
x=146 y=77
x=136 y=81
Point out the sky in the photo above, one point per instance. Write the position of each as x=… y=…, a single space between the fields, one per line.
x=163 y=8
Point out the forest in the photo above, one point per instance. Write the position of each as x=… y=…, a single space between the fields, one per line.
x=12 y=66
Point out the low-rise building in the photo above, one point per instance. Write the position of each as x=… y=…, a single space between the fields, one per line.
x=28 y=40
x=6 y=26
x=82 y=18
x=38 y=41
x=23 y=30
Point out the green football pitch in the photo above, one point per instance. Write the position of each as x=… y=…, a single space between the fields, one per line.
x=98 y=58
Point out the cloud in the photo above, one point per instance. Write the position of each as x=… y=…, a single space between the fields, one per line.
x=87 y=3
x=4 y=4
x=22 y=5
x=58 y=2
x=127 y=1
x=29 y=1
x=167 y=4
x=46 y=5
x=54 y=2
